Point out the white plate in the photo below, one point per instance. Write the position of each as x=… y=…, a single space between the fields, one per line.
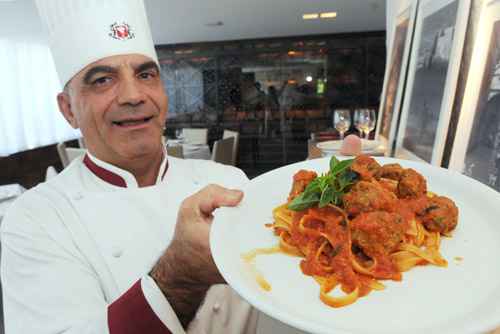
x=463 y=298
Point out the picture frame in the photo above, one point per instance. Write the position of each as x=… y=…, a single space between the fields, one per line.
x=436 y=55
x=476 y=147
x=395 y=76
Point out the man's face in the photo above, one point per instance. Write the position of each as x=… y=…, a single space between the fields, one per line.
x=120 y=106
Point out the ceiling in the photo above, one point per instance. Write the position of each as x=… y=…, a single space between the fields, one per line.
x=183 y=21
x=180 y=21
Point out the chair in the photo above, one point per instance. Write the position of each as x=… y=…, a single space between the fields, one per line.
x=68 y=154
x=222 y=151
x=236 y=136
x=175 y=151
x=195 y=136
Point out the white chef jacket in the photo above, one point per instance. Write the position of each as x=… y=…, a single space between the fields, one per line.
x=76 y=251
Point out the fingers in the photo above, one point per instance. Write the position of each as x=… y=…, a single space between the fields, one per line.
x=214 y=196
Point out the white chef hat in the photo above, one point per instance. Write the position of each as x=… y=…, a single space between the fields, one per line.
x=84 y=31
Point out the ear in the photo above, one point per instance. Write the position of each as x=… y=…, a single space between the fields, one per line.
x=64 y=102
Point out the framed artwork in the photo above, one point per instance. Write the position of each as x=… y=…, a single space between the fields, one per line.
x=476 y=148
x=436 y=55
x=395 y=76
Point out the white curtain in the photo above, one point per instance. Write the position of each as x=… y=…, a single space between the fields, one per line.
x=29 y=116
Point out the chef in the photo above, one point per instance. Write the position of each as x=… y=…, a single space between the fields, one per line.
x=118 y=242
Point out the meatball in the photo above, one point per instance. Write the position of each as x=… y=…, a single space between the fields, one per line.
x=365 y=166
x=377 y=233
x=300 y=181
x=411 y=184
x=367 y=196
x=440 y=215
x=389 y=184
x=390 y=171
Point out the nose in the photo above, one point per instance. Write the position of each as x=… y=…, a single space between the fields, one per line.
x=130 y=93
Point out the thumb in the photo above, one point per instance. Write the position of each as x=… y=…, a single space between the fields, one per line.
x=214 y=196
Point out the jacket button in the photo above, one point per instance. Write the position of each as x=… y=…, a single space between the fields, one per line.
x=216 y=307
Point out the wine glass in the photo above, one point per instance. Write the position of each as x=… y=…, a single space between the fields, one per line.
x=372 y=121
x=364 y=120
x=359 y=120
x=342 y=121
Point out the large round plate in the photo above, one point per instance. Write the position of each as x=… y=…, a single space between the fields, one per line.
x=462 y=298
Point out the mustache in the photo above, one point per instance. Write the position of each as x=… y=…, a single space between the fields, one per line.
x=133 y=111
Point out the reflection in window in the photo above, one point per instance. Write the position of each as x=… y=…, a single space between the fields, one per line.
x=275 y=93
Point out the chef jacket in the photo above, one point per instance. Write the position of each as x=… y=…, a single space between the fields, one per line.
x=77 y=250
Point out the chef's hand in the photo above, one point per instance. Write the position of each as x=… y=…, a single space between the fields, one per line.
x=186 y=270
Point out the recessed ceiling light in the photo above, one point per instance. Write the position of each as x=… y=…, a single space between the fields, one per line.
x=311 y=16
x=328 y=15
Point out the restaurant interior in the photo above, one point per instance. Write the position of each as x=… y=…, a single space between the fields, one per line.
x=262 y=84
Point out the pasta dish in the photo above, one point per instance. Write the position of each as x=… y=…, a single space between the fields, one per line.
x=358 y=224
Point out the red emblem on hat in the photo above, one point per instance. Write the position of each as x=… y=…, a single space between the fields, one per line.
x=121 y=31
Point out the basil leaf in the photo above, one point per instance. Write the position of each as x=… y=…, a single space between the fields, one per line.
x=341 y=166
x=326 y=197
x=347 y=179
x=333 y=162
x=337 y=197
x=327 y=188
x=313 y=186
x=304 y=201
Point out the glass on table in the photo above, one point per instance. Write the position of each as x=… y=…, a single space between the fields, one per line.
x=342 y=121
x=364 y=121
x=372 y=121
x=358 y=121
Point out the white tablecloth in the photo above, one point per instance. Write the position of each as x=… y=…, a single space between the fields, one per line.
x=192 y=151
x=196 y=151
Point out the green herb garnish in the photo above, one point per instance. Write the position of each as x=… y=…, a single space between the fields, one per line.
x=328 y=188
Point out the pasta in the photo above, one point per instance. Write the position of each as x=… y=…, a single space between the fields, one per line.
x=358 y=224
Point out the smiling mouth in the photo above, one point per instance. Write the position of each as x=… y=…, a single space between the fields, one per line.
x=133 y=122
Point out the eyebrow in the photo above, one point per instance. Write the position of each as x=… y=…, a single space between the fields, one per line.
x=97 y=69
x=109 y=69
x=147 y=66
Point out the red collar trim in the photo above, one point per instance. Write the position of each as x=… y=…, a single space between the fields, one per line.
x=104 y=174
x=109 y=176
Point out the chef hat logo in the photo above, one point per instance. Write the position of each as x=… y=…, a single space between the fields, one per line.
x=121 y=31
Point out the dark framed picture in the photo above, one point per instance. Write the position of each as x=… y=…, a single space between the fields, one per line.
x=436 y=55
